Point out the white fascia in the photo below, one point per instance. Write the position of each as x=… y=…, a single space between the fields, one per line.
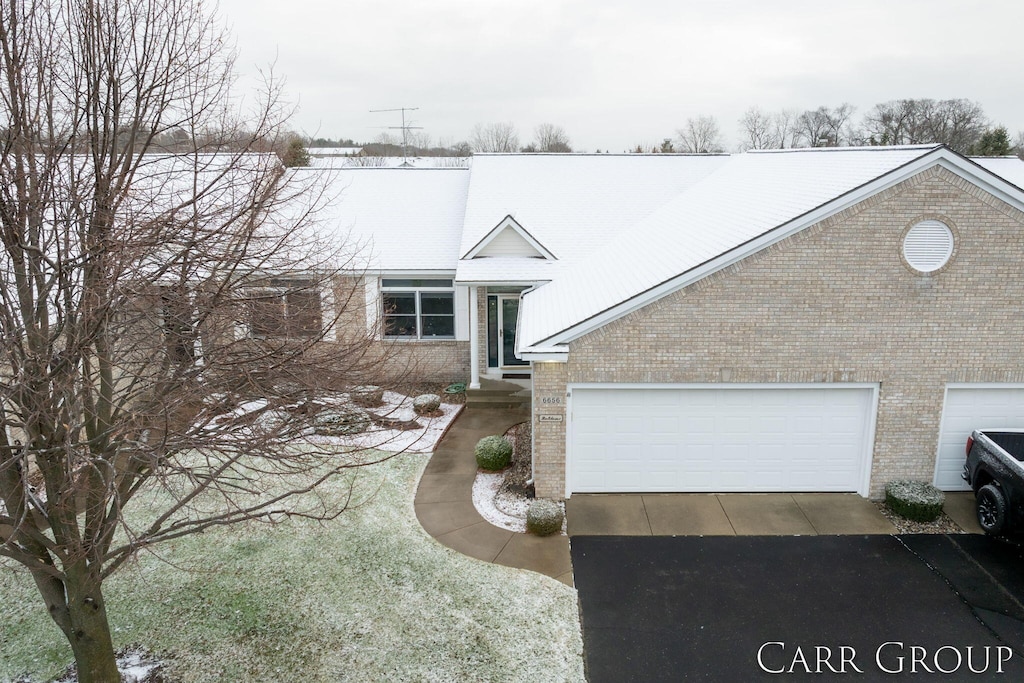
x=554 y=355
x=501 y=283
x=942 y=157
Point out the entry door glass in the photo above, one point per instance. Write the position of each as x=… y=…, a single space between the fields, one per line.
x=509 y=316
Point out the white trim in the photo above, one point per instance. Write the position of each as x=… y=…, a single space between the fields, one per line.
x=867 y=460
x=545 y=356
x=508 y=222
x=474 y=339
x=942 y=416
x=941 y=157
x=528 y=284
x=721 y=385
x=372 y=304
x=328 y=322
x=462 y=314
x=499 y=342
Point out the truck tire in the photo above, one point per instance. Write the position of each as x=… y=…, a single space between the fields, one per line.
x=991 y=509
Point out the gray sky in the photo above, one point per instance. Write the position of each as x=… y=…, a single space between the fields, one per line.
x=615 y=74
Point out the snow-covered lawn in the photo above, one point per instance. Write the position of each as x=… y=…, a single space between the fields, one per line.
x=366 y=597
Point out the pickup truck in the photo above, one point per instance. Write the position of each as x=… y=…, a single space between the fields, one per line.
x=995 y=472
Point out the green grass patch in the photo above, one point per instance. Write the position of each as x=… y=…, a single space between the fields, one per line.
x=368 y=596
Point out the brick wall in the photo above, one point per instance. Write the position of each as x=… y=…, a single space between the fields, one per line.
x=835 y=303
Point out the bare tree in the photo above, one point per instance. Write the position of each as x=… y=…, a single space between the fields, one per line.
x=700 y=136
x=757 y=130
x=495 y=137
x=826 y=127
x=958 y=123
x=547 y=137
x=162 y=315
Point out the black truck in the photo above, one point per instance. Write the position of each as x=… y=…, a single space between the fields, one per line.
x=995 y=472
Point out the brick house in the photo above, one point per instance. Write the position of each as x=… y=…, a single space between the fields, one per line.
x=797 y=320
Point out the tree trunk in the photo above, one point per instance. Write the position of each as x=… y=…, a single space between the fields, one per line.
x=90 y=638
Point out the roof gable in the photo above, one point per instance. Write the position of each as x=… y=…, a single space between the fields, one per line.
x=508 y=238
x=756 y=201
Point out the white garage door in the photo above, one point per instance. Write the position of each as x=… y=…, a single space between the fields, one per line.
x=968 y=408
x=720 y=438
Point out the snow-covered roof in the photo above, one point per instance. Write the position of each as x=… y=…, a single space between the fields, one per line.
x=714 y=222
x=405 y=219
x=511 y=269
x=333 y=151
x=1010 y=169
x=357 y=161
x=610 y=233
x=574 y=203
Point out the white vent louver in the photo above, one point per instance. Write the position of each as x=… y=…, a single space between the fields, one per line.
x=928 y=246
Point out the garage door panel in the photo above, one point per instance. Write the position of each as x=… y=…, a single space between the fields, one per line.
x=720 y=439
x=967 y=409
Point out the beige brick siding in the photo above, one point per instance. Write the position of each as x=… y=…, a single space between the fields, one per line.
x=433 y=361
x=834 y=303
x=549 y=380
x=409 y=360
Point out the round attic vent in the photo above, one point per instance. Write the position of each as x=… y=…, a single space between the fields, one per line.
x=928 y=246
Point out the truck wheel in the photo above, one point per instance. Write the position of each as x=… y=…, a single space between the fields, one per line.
x=991 y=509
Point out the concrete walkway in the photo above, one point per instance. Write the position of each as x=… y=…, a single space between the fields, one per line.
x=745 y=514
x=444 y=501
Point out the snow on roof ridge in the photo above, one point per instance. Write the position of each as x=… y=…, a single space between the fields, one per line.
x=603 y=154
x=864 y=148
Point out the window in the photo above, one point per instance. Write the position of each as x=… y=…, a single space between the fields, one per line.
x=178 y=322
x=287 y=309
x=418 y=309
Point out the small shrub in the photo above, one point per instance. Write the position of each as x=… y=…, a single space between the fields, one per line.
x=493 y=453
x=544 y=517
x=368 y=396
x=426 y=403
x=341 y=421
x=914 y=500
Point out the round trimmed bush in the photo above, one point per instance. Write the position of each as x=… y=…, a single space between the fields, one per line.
x=367 y=396
x=544 y=517
x=493 y=453
x=426 y=403
x=914 y=500
x=341 y=421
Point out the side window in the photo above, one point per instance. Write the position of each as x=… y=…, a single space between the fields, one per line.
x=178 y=322
x=287 y=309
x=418 y=308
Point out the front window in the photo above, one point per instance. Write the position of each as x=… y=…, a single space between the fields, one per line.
x=418 y=308
x=287 y=309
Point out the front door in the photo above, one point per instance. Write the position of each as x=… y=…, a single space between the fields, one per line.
x=502 y=315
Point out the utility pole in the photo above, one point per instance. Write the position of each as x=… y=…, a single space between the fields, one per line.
x=404 y=128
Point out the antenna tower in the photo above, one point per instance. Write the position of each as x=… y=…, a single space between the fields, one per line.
x=405 y=128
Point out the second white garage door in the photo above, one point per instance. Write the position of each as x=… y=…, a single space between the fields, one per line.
x=718 y=438
x=969 y=407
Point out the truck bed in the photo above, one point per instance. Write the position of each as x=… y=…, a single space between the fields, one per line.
x=1010 y=441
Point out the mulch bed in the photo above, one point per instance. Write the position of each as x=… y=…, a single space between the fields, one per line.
x=942 y=525
x=415 y=389
x=519 y=471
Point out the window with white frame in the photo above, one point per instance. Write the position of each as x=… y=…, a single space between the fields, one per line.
x=418 y=308
x=284 y=309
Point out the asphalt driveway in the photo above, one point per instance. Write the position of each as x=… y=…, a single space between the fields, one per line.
x=921 y=607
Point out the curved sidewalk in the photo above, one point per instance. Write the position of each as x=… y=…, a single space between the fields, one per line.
x=444 y=501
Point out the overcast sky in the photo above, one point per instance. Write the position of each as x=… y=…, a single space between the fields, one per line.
x=615 y=74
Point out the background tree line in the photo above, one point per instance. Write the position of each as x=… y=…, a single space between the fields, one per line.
x=958 y=123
